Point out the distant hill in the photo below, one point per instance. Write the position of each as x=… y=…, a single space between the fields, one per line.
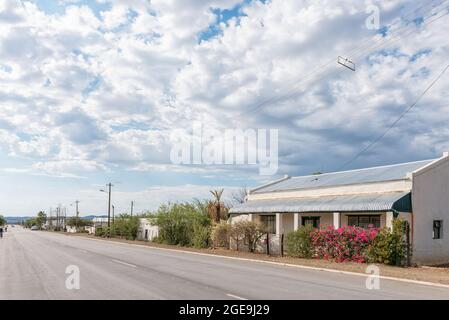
x=15 y=220
x=91 y=217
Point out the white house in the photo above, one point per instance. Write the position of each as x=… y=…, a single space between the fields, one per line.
x=147 y=231
x=416 y=191
x=96 y=223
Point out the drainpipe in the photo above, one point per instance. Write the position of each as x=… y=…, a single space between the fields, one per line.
x=412 y=231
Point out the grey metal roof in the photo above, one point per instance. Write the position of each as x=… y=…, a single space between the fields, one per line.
x=375 y=174
x=390 y=201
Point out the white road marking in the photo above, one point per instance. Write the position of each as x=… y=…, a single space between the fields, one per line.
x=124 y=263
x=82 y=250
x=235 y=297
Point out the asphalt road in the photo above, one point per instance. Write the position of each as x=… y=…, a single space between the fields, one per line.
x=33 y=266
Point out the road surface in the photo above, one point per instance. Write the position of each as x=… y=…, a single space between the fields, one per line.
x=33 y=266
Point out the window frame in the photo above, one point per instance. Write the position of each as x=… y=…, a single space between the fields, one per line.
x=369 y=216
x=439 y=228
x=316 y=221
x=269 y=222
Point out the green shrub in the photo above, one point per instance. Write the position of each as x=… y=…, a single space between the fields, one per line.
x=221 y=234
x=177 y=224
x=201 y=236
x=102 y=231
x=390 y=247
x=125 y=227
x=299 y=243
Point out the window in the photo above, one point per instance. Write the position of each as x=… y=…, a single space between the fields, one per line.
x=364 y=221
x=437 y=229
x=269 y=222
x=314 y=221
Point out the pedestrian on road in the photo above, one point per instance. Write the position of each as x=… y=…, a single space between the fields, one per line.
x=1 y=232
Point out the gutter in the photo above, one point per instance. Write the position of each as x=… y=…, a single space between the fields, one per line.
x=286 y=177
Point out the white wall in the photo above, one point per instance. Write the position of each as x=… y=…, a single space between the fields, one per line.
x=146 y=228
x=430 y=201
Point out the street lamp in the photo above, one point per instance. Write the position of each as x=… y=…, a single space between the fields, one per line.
x=109 y=185
x=77 y=214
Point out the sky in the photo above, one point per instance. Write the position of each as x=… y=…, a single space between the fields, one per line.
x=99 y=91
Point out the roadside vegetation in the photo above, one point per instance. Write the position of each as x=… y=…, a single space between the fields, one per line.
x=78 y=222
x=204 y=224
x=124 y=226
x=350 y=244
x=37 y=221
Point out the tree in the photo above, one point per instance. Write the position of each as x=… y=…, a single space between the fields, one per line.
x=30 y=222
x=125 y=226
x=41 y=219
x=217 y=209
x=240 y=195
x=182 y=224
x=2 y=220
x=220 y=234
x=217 y=202
x=250 y=231
x=78 y=222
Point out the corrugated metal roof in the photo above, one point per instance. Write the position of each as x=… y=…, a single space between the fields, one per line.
x=375 y=174
x=397 y=201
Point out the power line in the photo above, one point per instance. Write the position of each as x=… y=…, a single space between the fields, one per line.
x=396 y=36
x=403 y=17
x=396 y=121
x=392 y=37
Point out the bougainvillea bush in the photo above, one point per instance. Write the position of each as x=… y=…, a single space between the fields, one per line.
x=343 y=244
x=354 y=244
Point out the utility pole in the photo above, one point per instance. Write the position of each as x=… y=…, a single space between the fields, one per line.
x=57 y=218
x=113 y=214
x=109 y=203
x=109 y=185
x=65 y=219
x=77 y=215
x=132 y=206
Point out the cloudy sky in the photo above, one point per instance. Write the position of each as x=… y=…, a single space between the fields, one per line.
x=93 y=91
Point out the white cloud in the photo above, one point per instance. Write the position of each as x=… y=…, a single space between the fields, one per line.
x=84 y=91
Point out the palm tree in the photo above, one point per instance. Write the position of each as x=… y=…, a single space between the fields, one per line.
x=217 y=202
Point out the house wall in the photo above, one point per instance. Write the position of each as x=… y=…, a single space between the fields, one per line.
x=239 y=218
x=71 y=229
x=430 y=201
x=287 y=223
x=326 y=220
